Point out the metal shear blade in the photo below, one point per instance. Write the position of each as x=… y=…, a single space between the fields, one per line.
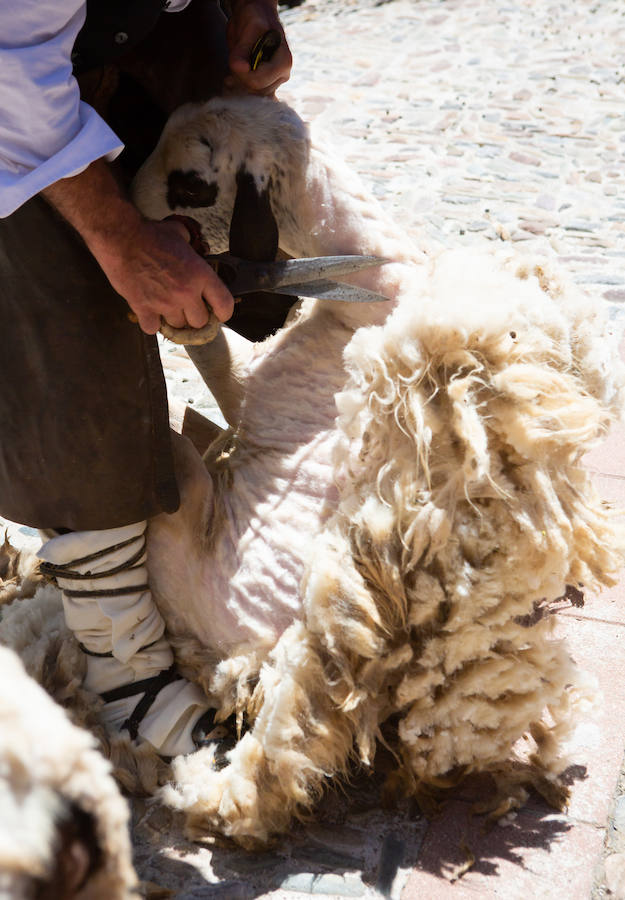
x=310 y=277
x=332 y=290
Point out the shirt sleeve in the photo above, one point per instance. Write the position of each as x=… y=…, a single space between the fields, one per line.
x=46 y=131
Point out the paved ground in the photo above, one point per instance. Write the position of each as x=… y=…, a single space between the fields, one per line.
x=472 y=121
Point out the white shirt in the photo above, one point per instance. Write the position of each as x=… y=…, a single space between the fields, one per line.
x=46 y=131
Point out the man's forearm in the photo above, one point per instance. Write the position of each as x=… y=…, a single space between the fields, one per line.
x=95 y=204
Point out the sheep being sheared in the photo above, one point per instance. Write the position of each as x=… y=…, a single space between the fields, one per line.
x=360 y=556
x=63 y=822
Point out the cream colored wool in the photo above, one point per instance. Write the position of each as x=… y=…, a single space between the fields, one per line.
x=46 y=763
x=18 y=574
x=402 y=487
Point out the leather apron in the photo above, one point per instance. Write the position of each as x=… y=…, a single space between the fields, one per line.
x=84 y=432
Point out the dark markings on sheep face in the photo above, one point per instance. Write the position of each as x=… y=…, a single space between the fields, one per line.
x=187 y=189
x=253 y=228
x=254 y=235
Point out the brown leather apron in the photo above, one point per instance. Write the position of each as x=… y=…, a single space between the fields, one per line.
x=84 y=435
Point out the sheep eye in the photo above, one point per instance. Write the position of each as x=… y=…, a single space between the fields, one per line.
x=187 y=189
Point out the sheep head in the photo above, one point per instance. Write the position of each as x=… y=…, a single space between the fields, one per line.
x=214 y=157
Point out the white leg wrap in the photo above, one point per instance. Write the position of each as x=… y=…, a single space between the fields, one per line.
x=109 y=607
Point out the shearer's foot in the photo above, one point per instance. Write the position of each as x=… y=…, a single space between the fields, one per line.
x=109 y=607
x=165 y=709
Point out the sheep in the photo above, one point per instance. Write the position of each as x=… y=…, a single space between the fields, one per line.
x=64 y=824
x=364 y=554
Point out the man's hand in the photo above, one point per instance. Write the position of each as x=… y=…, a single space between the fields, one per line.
x=159 y=274
x=149 y=263
x=250 y=20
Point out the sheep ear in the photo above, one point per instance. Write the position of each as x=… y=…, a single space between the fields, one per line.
x=253 y=229
x=254 y=235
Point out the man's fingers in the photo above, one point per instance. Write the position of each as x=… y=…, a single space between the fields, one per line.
x=196 y=314
x=176 y=318
x=179 y=226
x=148 y=322
x=219 y=298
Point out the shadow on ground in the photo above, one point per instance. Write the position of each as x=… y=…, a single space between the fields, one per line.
x=352 y=846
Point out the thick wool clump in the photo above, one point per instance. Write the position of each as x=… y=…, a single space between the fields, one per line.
x=465 y=506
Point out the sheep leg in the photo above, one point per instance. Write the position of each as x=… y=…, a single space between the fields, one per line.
x=223 y=366
x=279 y=768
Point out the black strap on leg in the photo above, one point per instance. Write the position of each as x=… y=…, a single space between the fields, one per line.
x=57 y=570
x=110 y=654
x=84 y=649
x=149 y=687
x=110 y=592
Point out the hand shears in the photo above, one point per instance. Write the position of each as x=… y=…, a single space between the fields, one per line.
x=309 y=277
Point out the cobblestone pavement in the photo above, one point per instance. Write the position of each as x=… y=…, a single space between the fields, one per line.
x=471 y=121
x=477 y=120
